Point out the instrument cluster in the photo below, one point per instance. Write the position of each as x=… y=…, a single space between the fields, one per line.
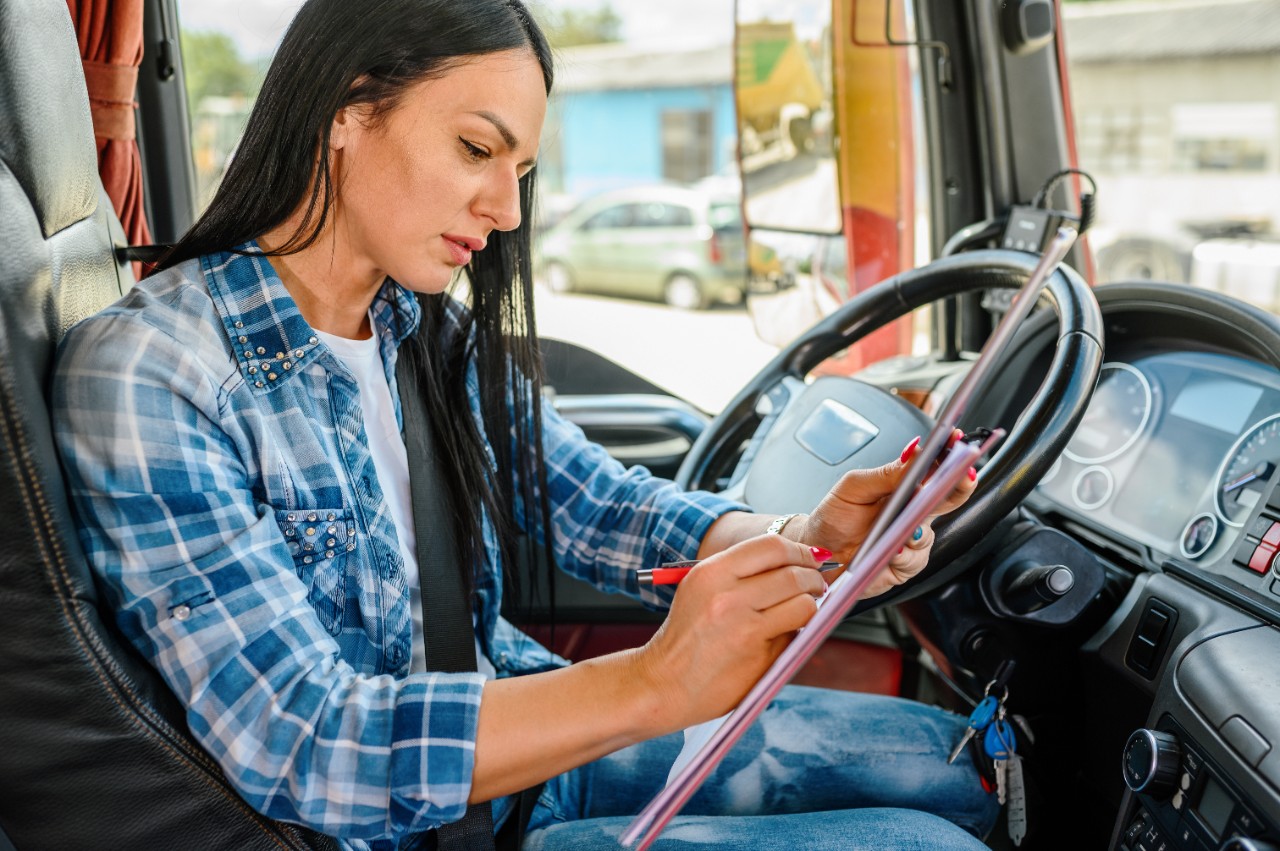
x=1174 y=452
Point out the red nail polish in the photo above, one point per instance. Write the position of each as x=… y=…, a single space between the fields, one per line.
x=956 y=434
x=973 y=474
x=909 y=451
x=820 y=553
x=900 y=550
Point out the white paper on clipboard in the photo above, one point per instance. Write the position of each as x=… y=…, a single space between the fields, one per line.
x=910 y=504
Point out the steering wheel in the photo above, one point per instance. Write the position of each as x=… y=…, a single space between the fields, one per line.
x=801 y=437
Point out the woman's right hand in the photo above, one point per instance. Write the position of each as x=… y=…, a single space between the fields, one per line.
x=732 y=616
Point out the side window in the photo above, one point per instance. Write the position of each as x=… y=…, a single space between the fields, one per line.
x=660 y=215
x=224 y=59
x=630 y=109
x=610 y=218
x=686 y=144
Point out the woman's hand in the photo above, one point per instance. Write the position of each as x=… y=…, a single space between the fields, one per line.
x=841 y=521
x=732 y=616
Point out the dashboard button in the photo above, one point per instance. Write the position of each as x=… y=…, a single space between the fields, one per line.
x=1244 y=552
x=1272 y=535
x=1260 y=561
x=1259 y=526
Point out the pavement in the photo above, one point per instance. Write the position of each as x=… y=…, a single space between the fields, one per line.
x=703 y=356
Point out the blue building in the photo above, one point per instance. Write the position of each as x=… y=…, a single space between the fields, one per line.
x=620 y=116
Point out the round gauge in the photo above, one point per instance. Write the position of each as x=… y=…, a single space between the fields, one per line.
x=1247 y=469
x=1093 y=487
x=1118 y=411
x=1198 y=536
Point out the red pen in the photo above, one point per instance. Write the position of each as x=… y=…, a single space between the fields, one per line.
x=673 y=571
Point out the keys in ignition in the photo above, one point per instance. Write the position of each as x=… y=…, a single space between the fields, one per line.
x=979 y=720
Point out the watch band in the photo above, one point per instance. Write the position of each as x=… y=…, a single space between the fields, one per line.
x=776 y=527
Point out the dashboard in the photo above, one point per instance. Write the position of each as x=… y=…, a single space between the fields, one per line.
x=1175 y=452
x=1169 y=489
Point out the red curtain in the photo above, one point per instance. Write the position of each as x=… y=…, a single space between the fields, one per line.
x=110 y=36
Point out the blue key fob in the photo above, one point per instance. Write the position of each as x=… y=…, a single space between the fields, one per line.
x=999 y=741
x=983 y=713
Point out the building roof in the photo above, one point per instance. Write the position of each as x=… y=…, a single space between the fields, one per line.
x=1102 y=31
x=597 y=67
x=1170 y=29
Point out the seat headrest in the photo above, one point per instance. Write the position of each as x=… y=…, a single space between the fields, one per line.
x=47 y=136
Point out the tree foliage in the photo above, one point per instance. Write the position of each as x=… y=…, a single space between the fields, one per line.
x=568 y=26
x=213 y=67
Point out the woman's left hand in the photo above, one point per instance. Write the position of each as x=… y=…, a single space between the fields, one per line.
x=841 y=521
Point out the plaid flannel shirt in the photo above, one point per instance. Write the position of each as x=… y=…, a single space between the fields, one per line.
x=228 y=502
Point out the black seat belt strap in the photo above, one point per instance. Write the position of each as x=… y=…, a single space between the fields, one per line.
x=446 y=604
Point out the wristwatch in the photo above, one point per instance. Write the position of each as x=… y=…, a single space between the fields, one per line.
x=775 y=528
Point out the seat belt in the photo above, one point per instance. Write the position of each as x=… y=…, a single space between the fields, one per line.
x=446 y=605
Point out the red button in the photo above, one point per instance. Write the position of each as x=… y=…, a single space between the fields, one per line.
x=1260 y=562
x=1273 y=535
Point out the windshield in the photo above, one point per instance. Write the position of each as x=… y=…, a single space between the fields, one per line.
x=1186 y=153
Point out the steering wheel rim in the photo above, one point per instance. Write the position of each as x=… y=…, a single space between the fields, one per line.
x=1042 y=432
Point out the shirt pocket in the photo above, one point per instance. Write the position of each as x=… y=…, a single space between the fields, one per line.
x=322 y=542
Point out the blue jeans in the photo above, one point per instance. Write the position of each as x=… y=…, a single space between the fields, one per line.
x=819 y=769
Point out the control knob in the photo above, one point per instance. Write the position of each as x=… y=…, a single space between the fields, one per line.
x=1151 y=762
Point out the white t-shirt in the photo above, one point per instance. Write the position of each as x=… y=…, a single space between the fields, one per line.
x=391 y=463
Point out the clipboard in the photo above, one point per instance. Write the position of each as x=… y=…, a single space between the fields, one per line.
x=923 y=488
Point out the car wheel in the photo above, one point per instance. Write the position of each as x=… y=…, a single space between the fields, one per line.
x=558 y=278
x=684 y=292
x=1141 y=259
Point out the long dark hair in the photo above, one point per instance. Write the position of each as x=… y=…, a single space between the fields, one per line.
x=338 y=53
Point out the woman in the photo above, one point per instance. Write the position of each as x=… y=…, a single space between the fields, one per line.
x=231 y=431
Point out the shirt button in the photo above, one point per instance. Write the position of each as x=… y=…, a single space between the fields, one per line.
x=181 y=613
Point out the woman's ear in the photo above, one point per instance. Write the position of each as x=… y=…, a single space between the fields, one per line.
x=344 y=123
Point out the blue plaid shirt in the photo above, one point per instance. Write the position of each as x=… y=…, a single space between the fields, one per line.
x=227 y=500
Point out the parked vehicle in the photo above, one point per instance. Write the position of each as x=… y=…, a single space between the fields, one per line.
x=679 y=245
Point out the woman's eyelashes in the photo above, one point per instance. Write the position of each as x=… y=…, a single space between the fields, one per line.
x=474 y=152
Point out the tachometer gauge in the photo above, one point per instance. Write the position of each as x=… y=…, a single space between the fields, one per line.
x=1117 y=414
x=1246 y=470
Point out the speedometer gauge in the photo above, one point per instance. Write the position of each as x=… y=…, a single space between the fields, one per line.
x=1247 y=469
x=1118 y=411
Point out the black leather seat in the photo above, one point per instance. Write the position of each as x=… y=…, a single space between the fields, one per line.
x=94 y=750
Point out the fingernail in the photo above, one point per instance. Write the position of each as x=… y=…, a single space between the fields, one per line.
x=820 y=553
x=909 y=451
x=956 y=434
x=900 y=549
x=973 y=474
